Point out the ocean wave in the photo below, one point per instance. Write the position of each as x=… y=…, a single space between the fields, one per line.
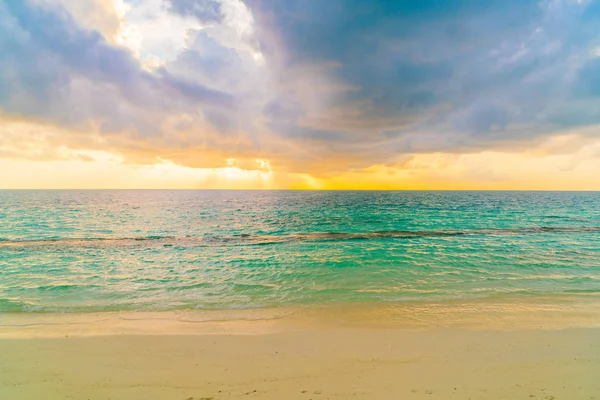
x=249 y=239
x=6 y=242
x=8 y=305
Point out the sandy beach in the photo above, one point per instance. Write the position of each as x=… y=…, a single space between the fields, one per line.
x=291 y=358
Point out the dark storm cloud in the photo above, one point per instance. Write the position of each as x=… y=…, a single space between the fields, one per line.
x=459 y=68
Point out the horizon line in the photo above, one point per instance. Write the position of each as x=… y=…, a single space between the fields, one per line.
x=299 y=190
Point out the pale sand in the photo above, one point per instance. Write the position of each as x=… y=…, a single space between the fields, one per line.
x=291 y=358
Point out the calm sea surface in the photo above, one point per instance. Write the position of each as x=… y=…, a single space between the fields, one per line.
x=89 y=251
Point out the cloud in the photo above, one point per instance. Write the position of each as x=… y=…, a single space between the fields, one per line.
x=467 y=75
x=104 y=16
x=314 y=87
x=54 y=71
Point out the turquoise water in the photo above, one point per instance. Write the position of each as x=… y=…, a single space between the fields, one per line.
x=88 y=251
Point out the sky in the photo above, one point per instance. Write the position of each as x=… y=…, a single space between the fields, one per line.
x=300 y=94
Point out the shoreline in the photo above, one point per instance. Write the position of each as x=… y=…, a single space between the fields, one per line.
x=506 y=314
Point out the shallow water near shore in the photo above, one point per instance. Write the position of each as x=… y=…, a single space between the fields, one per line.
x=162 y=251
x=506 y=315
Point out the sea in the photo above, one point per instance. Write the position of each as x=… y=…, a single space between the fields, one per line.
x=86 y=251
